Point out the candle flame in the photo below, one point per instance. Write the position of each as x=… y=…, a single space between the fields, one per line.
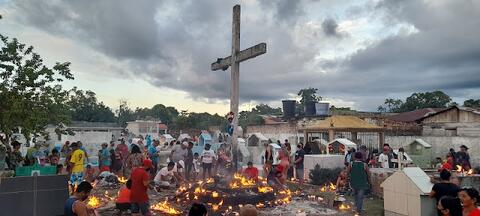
x=165 y=208
x=93 y=202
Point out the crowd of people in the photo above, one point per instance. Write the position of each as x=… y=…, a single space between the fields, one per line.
x=141 y=165
x=290 y=164
x=453 y=200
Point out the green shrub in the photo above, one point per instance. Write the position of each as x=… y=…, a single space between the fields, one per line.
x=322 y=176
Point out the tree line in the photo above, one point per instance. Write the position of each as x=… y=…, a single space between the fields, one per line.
x=421 y=100
x=32 y=97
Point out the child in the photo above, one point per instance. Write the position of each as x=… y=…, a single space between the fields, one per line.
x=342 y=185
x=60 y=170
x=207 y=158
x=54 y=157
x=90 y=173
x=196 y=166
x=438 y=164
x=123 y=199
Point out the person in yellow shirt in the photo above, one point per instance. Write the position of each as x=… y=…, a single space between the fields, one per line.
x=77 y=164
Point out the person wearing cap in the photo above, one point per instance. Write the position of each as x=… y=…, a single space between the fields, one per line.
x=463 y=158
x=384 y=159
x=140 y=183
x=179 y=152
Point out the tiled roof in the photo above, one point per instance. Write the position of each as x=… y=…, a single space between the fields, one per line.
x=341 y=122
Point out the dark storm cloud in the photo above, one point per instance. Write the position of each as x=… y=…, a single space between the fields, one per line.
x=172 y=43
x=329 y=27
x=284 y=10
x=122 y=30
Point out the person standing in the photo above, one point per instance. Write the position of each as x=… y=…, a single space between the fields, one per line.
x=80 y=146
x=189 y=161
x=444 y=188
x=140 y=184
x=123 y=149
x=363 y=149
x=65 y=149
x=470 y=199
x=15 y=157
x=384 y=159
x=349 y=156
x=29 y=158
x=284 y=157
x=75 y=205
x=268 y=160
x=207 y=158
x=179 y=152
x=463 y=158
x=299 y=161
x=359 y=180
x=133 y=160
x=105 y=158
x=153 y=155
x=77 y=161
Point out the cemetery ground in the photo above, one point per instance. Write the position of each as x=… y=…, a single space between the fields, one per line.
x=304 y=201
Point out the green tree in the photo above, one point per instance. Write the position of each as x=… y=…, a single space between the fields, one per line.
x=265 y=109
x=249 y=118
x=166 y=114
x=308 y=95
x=124 y=113
x=84 y=106
x=435 y=99
x=30 y=92
x=391 y=105
x=472 y=103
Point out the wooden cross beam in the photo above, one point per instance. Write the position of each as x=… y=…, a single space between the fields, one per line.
x=252 y=52
x=401 y=162
x=233 y=61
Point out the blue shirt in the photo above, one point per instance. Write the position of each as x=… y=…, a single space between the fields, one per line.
x=105 y=157
x=152 y=152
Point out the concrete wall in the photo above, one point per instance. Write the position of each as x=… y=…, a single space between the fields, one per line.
x=91 y=139
x=441 y=145
x=277 y=132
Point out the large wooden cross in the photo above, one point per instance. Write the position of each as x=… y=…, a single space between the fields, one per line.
x=233 y=61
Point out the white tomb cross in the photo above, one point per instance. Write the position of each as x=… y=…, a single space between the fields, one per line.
x=233 y=61
x=400 y=160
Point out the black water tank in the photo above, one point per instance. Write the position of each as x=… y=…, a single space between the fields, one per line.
x=310 y=109
x=288 y=109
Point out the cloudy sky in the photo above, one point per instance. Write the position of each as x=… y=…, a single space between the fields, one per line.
x=356 y=52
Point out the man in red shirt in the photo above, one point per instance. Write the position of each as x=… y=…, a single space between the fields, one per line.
x=251 y=172
x=140 y=184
